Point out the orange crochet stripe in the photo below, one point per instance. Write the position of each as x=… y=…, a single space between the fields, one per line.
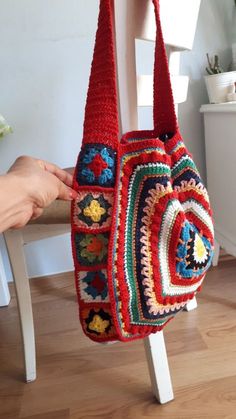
x=142 y=231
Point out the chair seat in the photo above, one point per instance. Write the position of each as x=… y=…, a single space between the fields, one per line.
x=57 y=213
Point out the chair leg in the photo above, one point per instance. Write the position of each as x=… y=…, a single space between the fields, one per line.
x=4 y=291
x=191 y=305
x=216 y=254
x=15 y=246
x=158 y=367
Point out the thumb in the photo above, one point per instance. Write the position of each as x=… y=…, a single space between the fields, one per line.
x=66 y=193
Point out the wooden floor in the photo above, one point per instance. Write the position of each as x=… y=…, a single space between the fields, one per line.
x=81 y=379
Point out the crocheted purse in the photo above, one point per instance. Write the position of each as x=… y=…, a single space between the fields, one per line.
x=142 y=232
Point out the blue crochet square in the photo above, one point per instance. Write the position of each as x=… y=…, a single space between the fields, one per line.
x=96 y=165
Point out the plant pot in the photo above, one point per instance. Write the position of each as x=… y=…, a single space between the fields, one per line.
x=218 y=86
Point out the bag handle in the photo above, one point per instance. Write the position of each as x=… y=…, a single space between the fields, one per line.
x=101 y=111
x=164 y=116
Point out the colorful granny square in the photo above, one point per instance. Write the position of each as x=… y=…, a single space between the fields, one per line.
x=96 y=165
x=91 y=249
x=93 y=286
x=194 y=253
x=98 y=322
x=93 y=209
x=142 y=230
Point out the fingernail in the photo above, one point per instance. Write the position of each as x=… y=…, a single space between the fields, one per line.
x=73 y=194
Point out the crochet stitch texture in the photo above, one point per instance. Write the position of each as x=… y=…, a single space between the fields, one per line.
x=142 y=231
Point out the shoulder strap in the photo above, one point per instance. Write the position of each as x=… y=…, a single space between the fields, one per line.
x=164 y=117
x=101 y=111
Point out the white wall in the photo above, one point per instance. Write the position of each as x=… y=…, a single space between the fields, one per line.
x=213 y=35
x=46 y=49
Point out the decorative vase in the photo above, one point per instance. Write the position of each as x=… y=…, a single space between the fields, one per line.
x=218 y=86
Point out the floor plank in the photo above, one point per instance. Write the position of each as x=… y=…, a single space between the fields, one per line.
x=80 y=379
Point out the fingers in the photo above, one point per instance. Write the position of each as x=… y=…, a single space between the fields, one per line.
x=70 y=170
x=37 y=212
x=22 y=217
x=61 y=180
x=66 y=193
x=61 y=174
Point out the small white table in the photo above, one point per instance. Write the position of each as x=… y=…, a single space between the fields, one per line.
x=220 y=142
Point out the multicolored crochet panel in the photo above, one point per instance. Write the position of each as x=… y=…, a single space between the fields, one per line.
x=162 y=243
x=142 y=233
x=141 y=249
x=91 y=221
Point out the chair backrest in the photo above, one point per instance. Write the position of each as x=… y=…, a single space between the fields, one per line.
x=134 y=19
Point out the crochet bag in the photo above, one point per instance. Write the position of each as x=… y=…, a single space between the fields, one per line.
x=142 y=232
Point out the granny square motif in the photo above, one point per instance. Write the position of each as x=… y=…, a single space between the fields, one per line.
x=142 y=230
x=93 y=209
x=96 y=165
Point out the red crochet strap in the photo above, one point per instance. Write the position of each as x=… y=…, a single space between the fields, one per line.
x=164 y=117
x=101 y=112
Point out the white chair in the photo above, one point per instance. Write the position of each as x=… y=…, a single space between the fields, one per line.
x=55 y=221
x=137 y=91
x=56 y=218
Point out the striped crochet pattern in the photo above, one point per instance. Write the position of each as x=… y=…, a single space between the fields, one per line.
x=142 y=232
x=163 y=242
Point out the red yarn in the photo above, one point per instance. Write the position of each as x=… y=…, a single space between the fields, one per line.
x=97 y=165
x=101 y=116
x=111 y=319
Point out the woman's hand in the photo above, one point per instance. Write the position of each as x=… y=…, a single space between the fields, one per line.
x=29 y=186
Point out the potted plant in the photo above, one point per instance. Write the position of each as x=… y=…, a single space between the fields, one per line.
x=217 y=81
x=4 y=127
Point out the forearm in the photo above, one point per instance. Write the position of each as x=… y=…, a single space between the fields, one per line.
x=15 y=204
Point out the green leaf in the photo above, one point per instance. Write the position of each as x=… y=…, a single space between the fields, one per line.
x=87 y=255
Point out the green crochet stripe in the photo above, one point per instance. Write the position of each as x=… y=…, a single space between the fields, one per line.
x=187 y=163
x=167 y=239
x=160 y=169
x=150 y=322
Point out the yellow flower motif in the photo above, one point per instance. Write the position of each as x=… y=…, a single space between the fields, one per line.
x=94 y=211
x=200 y=252
x=98 y=324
